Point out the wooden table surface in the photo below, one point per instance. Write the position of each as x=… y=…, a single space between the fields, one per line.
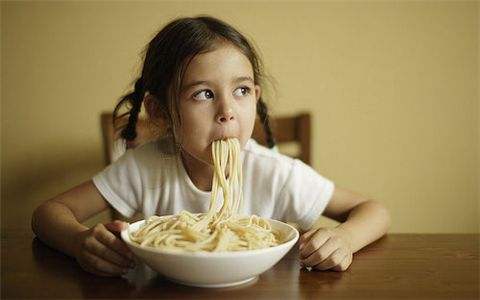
x=417 y=266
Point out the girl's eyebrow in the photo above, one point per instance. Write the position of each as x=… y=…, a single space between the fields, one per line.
x=206 y=82
x=243 y=78
x=194 y=83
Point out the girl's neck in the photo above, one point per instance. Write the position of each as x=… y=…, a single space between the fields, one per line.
x=199 y=172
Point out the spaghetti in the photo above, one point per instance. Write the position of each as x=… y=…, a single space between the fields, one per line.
x=216 y=230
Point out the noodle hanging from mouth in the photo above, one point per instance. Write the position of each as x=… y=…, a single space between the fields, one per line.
x=213 y=231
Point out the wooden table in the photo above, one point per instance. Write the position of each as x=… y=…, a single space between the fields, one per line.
x=416 y=266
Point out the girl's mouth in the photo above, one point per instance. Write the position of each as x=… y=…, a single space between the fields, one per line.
x=223 y=138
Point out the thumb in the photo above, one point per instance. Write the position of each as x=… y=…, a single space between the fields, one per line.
x=116 y=226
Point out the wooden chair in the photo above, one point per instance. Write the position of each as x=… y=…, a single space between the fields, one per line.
x=112 y=149
x=288 y=130
x=292 y=130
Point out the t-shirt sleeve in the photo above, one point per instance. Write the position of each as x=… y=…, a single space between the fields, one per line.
x=120 y=184
x=305 y=195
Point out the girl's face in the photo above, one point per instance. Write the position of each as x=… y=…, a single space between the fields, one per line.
x=217 y=101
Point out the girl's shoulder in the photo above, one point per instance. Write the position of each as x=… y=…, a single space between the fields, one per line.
x=163 y=147
x=147 y=164
x=260 y=153
x=265 y=160
x=270 y=162
x=152 y=153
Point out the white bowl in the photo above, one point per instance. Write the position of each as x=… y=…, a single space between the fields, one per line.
x=213 y=269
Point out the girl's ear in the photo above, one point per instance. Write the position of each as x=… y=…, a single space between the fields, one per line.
x=156 y=113
x=258 y=92
x=151 y=106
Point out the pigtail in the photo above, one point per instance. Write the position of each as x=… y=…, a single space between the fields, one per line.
x=262 y=112
x=134 y=100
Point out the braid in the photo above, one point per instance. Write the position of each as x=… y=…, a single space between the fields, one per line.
x=135 y=99
x=262 y=112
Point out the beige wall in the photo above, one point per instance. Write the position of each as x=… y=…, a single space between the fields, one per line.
x=392 y=86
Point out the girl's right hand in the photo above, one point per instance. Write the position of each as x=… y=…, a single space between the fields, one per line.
x=100 y=250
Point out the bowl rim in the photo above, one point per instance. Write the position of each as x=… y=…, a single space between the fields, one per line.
x=287 y=244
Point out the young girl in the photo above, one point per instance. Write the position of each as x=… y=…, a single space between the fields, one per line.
x=202 y=80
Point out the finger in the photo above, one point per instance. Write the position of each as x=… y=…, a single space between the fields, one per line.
x=322 y=252
x=116 y=245
x=314 y=243
x=101 y=250
x=112 y=241
x=334 y=260
x=101 y=267
x=307 y=235
x=343 y=266
x=116 y=226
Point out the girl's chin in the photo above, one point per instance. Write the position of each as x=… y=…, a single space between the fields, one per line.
x=205 y=157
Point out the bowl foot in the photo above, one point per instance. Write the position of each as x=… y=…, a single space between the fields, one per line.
x=215 y=285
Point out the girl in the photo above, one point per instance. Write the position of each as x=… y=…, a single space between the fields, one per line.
x=202 y=80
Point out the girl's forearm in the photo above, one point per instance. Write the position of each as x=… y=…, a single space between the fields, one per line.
x=56 y=225
x=366 y=223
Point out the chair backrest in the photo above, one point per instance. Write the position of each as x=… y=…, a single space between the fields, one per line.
x=112 y=148
x=291 y=130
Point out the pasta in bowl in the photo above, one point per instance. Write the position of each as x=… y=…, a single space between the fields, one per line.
x=213 y=269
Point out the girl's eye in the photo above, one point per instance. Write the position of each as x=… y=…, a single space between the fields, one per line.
x=241 y=91
x=203 y=95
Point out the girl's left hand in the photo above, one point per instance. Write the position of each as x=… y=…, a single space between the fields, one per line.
x=325 y=249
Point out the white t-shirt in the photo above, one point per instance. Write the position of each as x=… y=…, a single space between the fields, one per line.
x=148 y=180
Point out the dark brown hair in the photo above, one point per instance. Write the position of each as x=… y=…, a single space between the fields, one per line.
x=167 y=57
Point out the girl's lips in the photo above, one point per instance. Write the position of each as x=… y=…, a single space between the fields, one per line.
x=223 y=137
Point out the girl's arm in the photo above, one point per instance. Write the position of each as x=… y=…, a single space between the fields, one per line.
x=98 y=250
x=362 y=221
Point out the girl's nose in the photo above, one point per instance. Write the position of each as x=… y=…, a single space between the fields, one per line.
x=225 y=116
x=225 y=110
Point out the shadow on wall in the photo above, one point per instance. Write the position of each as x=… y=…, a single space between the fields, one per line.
x=26 y=185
